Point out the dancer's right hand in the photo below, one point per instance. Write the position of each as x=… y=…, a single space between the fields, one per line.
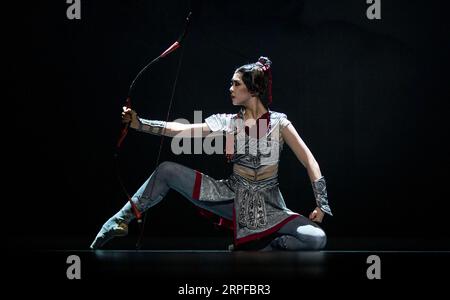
x=129 y=115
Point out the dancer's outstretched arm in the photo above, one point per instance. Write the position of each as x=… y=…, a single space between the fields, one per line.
x=164 y=128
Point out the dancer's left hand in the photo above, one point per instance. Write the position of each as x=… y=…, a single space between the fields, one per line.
x=316 y=215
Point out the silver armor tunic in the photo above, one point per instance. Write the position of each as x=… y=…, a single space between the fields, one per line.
x=259 y=207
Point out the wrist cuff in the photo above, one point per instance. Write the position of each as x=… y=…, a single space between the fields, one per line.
x=320 y=193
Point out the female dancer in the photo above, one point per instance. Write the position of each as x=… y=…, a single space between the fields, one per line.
x=249 y=200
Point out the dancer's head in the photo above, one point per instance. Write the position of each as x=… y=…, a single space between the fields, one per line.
x=252 y=80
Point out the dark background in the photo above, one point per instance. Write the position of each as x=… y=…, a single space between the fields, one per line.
x=367 y=96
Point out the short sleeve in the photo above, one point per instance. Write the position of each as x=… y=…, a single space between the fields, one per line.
x=218 y=122
x=284 y=122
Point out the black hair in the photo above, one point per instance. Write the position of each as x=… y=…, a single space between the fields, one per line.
x=257 y=79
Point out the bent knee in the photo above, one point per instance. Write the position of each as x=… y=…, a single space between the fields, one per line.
x=167 y=168
x=166 y=165
x=314 y=236
x=320 y=242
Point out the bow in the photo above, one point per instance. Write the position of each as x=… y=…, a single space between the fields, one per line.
x=124 y=129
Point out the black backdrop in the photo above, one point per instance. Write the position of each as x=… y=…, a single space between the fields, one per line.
x=367 y=96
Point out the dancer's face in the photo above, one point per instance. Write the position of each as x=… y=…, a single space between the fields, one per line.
x=238 y=91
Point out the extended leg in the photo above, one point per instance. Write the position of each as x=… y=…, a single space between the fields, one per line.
x=168 y=175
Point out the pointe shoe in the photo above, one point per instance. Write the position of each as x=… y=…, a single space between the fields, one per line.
x=112 y=228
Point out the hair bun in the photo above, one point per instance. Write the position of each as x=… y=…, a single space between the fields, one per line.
x=265 y=61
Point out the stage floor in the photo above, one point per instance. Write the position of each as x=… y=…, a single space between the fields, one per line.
x=343 y=259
